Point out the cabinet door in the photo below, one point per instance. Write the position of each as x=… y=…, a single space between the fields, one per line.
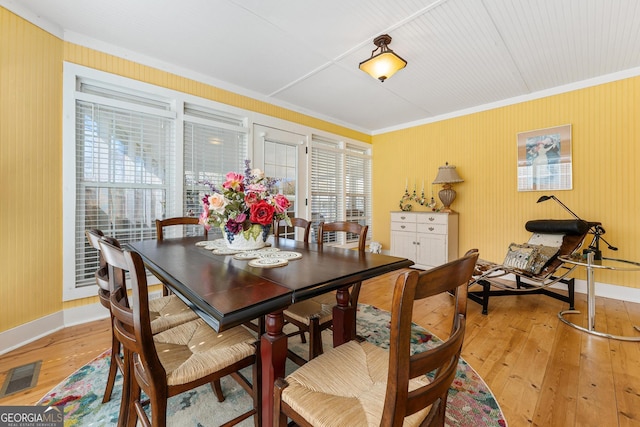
x=431 y=249
x=403 y=244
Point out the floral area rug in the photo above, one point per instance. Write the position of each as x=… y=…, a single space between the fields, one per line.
x=470 y=402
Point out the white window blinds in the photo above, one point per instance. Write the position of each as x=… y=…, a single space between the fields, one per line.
x=125 y=165
x=358 y=185
x=326 y=183
x=214 y=144
x=340 y=185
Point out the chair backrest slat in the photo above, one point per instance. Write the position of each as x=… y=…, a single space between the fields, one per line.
x=179 y=220
x=347 y=227
x=281 y=227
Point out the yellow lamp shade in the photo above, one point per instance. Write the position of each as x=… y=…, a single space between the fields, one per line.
x=385 y=63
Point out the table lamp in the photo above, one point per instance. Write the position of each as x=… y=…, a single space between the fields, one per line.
x=447 y=175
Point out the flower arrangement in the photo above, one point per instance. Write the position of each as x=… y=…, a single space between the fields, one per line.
x=245 y=205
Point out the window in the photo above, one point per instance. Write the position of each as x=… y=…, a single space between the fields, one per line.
x=130 y=159
x=134 y=152
x=125 y=146
x=340 y=185
x=357 y=185
x=214 y=144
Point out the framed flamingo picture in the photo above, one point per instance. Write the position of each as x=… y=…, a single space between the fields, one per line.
x=544 y=159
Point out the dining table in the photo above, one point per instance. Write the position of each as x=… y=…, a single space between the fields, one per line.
x=226 y=290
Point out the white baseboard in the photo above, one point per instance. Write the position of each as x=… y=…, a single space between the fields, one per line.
x=31 y=331
x=83 y=314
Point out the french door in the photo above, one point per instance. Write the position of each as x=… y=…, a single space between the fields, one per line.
x=282 y=155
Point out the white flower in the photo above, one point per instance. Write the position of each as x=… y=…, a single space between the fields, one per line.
x=257 y=173
x=217 y=203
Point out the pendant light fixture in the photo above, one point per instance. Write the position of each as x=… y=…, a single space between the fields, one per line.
x=385 y=62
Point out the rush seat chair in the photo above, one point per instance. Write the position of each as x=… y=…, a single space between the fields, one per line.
x=360 y=384
x=176 y=360
x=316 y=314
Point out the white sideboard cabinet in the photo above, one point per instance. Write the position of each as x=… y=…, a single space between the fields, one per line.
x=429 y=239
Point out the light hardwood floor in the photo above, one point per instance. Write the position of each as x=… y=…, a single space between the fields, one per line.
x=542 y=372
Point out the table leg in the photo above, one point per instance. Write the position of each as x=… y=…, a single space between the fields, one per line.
x=344 y=318
x=273 y=356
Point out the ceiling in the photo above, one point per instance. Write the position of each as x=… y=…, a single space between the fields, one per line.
x=462 y=55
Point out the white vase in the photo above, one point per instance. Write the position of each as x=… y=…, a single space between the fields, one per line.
x=251 y=239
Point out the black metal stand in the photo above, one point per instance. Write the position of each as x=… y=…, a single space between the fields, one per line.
x=482 y=297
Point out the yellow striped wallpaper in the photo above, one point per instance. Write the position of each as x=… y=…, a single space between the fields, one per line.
x=30 y=172
x=482 y=146
x=605 y=121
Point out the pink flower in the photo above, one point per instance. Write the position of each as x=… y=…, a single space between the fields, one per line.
x=258 y=188
x=204 y=217
x=234 y=181
x=281 y=203
x=217 y=203
x=251 y=197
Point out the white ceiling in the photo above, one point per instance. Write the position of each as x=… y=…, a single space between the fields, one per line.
x=304 y=55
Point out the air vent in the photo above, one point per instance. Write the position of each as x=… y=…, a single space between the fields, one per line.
x=21 y=378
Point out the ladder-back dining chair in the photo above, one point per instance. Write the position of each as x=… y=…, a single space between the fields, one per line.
x=316 y=314
x=360 y=384
x=165 y=312
x=102 y=280
x=281 y=229
x=176 y=360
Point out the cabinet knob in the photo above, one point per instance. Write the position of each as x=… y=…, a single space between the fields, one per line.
x=403 y=217
x=431 y=228
x=432 y=218
x=403 y=226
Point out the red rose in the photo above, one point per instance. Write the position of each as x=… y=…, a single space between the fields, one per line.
x=262 y=213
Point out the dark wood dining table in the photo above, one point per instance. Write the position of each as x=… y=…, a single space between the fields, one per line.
x=228 y=292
